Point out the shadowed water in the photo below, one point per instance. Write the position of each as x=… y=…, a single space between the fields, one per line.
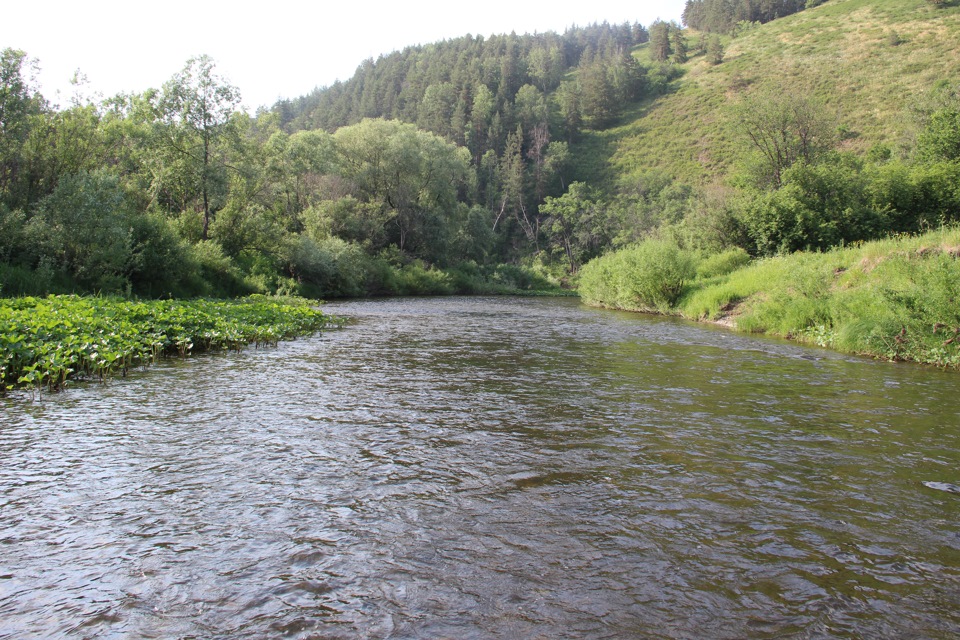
x=488 y=468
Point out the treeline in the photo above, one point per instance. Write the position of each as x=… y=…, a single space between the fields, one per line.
x=722 y=16
x=466 y=182
x=471 y=89
x=429 y=158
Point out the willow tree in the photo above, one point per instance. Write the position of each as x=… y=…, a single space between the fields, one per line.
x=412 y=179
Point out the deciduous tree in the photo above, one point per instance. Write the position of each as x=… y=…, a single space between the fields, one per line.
x=196 y=108
x=784 y=126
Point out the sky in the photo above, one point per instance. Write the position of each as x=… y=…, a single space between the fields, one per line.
x=269 y=50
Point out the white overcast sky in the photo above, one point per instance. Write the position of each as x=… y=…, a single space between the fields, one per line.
x=269 y=49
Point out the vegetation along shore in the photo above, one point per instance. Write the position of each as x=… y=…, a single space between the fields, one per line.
x=789 y=167
x=897 y=299
x=45 y=342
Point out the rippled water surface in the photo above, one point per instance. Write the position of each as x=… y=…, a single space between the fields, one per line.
x=487 y=468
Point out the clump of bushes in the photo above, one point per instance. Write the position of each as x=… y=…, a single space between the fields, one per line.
x=646 y=277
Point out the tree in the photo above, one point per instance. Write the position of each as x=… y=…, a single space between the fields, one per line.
x=598 y=98
x=481 y=116
x=576 y=225
x=84 y=228
x=680 y=54
x=660 y=48
x=530 y=107
x=436 y=110
x=714 y=50
x=19 y=103
x=569 y=100
x=414 y=177
x=546 y=66
x=513 y=181
x=784 y=126
x=196 y=107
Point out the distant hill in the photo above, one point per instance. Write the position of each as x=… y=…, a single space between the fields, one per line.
x=870 y=61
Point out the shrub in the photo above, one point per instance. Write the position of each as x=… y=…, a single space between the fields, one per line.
x=219 y=275
x=84 y=227
x=647 y=277
x=416 y=279
x=720 y=264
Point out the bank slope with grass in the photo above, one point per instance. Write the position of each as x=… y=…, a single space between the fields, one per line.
x=897 y=299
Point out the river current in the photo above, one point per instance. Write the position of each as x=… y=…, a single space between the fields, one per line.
x=487 y=468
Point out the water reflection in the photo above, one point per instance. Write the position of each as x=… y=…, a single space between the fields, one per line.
x=479 y=468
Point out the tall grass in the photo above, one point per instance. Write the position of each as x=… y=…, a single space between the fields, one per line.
x=897 y=299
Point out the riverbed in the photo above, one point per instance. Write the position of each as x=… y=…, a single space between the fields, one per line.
x=487 y=468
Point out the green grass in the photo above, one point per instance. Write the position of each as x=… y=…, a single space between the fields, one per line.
x=897 y=299
x=839 y=52
x=44 y=342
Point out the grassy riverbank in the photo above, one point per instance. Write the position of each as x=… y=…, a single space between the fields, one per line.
x=44 y=342
x=897 y=299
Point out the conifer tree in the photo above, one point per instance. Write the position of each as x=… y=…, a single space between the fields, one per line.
x=660 y=48
x=679 y=45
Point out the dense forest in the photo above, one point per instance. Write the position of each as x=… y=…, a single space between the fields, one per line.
x=723 y=16
x=472 y=164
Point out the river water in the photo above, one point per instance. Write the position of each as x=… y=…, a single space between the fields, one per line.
x=487 y=468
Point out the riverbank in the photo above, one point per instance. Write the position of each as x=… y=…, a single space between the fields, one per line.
x=45 y=342
x=896 y=299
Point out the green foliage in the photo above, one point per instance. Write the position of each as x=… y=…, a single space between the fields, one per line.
x=818 y=206
x=720 y=16
x=11 y=233
x=331 y=267
x=940 y=139
x=44 y=342
x=84 y=227
x=20 y=103
x=413 y=175
x=782 y=126
x=119 y=196
x=218 y=273
x=721 y=264
x=660 y=46
x=417 y=279
x=893 y=299
x=162 y=263
x=714 y=50
x=577 y=225
x=647 y=277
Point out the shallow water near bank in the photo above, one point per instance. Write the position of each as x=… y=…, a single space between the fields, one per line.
x=487 y=468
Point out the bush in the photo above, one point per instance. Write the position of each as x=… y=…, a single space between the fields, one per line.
x=161 y=262
x=720 y=264
x=416 y=279
x=647 y=277
x=84 y=227
x=332 y=267
x=219 y=275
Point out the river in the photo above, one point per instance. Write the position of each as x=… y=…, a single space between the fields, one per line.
x=487 y=468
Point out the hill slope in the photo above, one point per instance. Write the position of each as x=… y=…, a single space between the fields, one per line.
x=869 y=60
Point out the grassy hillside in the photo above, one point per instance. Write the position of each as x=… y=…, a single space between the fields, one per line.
x=869 y=60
